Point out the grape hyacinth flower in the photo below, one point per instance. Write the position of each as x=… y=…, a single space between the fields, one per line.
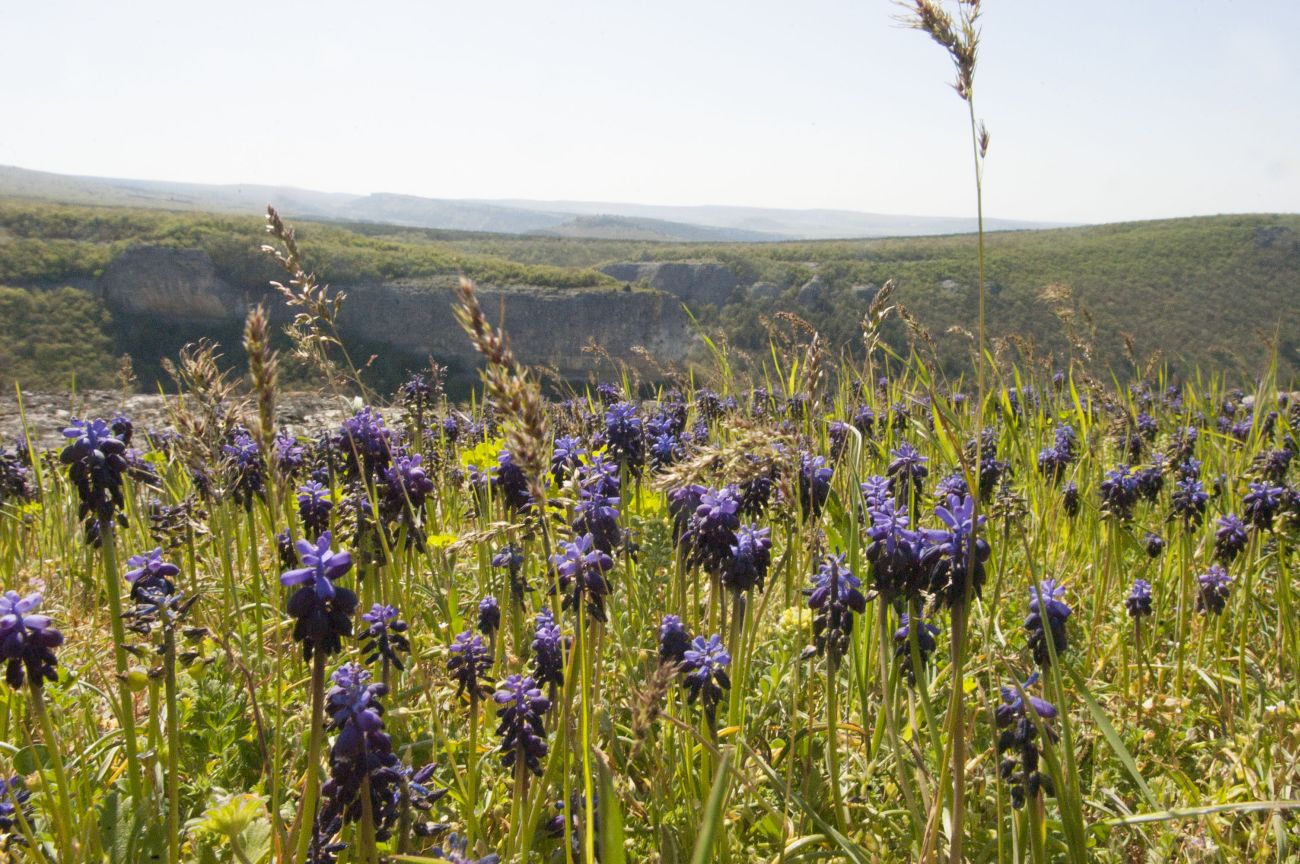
x=27 y=641
x=705 y=664
x=290 y=456
x=548 y=650
x=469 y=666
x=674 y=640
x=96 y=461
x=489 y=616
x=953 y=557
x=814 y=484
x=711 y=530
x=361 y=758
x=1138 y=601
x=314 y=506
x=581 y=567
x=925 y=643
x=907 y=472
x=511 y=559
x=150 y=574
x=523 y=737
x=385 y=637
x=1070 y=499
x=1230 y=537
x=894 y=553
x=1212 y=593
x=456 y=852
x=407 y=486
x=1119 y=492
x=244 y=457
x=1189 y=500
x=597 y=516
x=1154 y=543
x=624 y=437
x=834 y=598
x=682 y=504
x=1150 y=482
x=322 y=612
x=751 y=555
x=1046 y=619
x=1261 y=504
x=1019 y=741
x=366 y=443
x=510 y=482
x=15 y=802
x=875 y=491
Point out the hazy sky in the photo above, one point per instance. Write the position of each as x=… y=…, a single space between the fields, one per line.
x=1099 y=111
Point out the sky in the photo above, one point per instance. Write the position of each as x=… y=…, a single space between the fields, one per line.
x=1102 y=111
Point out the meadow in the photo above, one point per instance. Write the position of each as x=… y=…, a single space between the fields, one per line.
x=736 y=617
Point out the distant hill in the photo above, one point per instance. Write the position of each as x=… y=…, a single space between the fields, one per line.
x=557 y=218
x=1220 y=292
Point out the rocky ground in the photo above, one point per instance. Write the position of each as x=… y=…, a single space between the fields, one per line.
x=46 y=414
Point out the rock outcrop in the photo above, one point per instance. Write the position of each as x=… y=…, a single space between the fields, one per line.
x=169 y=283
x=692 y=283
x=547 y=326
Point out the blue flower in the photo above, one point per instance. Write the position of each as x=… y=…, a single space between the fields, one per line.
x=1230 y=537
x=581 y=568
x=523 y=737
x=814 y=483
x=469 y=665
x=751 y=555
x=1047 y=617
x=548 y=650
x=674 y=640
x=1138 y=601
x=385 y=636
x=1019 y=740
x=834 y=598
x=705 y=664
x=314 y=506
x=323 y=612
x=1212 y=594
x=925 y=643
x=952 y=556
x=27 y=641
x=489 y=616
x=1261 y=504
x=907 y=472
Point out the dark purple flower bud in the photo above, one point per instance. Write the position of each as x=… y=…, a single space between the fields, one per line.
x=751 y=554
x=366 y=443
x=314 y=506
x=711 y=530
x=597 y=516
x=385 y=636
x=1188 y=501
x=523 y=737
x=27 y=641
x=1138 y=601
x=1070 y=499
x=406 y=486
x=1150 y=481
x=1261 y=504
x=150 y=574
x=705 y=664
x=952 y=484
x=1230 y=537
x=624 y=437
x=682 y=504
x=864 y=420
x=1046 y=619
x=549 y=646
x=1119 y=492
x=510 y=483
x=322 y=611
x=925 y=643
x=673 y=640
x=1019 y=741
x=581 y=567
x=894 y=553
x=96 y=461
x=1154 y=543
x=489 y=616
x=15 y=801
x=834 y=598
x=456 y=852
x=1212 y=594
x=814 y=484
x=469 y=665
x=665 y=450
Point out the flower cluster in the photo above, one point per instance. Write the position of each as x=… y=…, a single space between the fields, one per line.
x=384 y=638
x=581 y=567
x=523 y=737
x=27 y=641
x=96 y=461
x=705 y=666
x=1046 y=621
x=834 y=598
x=322 y=612
x=1019 y=741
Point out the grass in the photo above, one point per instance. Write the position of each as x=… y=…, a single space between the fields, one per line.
x=799 y=766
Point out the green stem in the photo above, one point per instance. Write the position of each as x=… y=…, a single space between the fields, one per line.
x=127 y=703
x=63 y=812
x=173 y=749
x=311 y=783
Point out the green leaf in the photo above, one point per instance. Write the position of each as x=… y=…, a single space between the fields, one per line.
x=1112 y=738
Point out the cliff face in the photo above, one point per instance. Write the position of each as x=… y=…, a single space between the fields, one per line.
x=693 y=283
x=547 y=326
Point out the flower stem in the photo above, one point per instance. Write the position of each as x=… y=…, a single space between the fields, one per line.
x=311 y=783
x=125 y=699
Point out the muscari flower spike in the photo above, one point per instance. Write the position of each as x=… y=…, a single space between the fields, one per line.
x=549 y=646
x=834 y=598
x=1212 y=594
x=469 y=665
x=1138 y=601
x=1230 y=537
x=96 y=461
x=674 y=640
x=705 y=664
x=523 y=737
x=314 y=506
x=27 y=641
x=925 y=643
x=385 y=636
x=751 y=555
x=323 y=611
x=814 y=484
x=1019 y=740
x=581 y=566
x=953 y=556
x=1047 y=616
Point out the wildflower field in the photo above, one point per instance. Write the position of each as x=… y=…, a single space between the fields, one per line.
x=835 y=611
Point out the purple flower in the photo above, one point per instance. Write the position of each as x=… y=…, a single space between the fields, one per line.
x=367 y=444
x=952 y=556
x=1070 y=499
x=150 y=574
x=705 y=664
x=597 y=515
x=875 y=490
x=1212 y=596
x=1261 y=504
x=456 y=852
x=1138 y=601
x=406 y=484
x=489 y=616
x=290 y=456
x=907 y=472
x=523 y=737
x=711 y=530
x=385 y=636
x=548 y=650
x=1188 y=501
x=894 y=553
x=96 y=463
x=27 y=641
x=314 y=506
x=581 y=568
x=1019 y=741
x=565 y=457
x=1230 y=537
x=925 y=643
x=511 y=559
x=814 y=484
x=510 y=482
x=834 y=598
x=469 y=665
x=1046 y=620
x=751 y=555
x=322 y=611
x=1119 y=492
x=624 y=436
x=674 y=640
x=243 y=457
